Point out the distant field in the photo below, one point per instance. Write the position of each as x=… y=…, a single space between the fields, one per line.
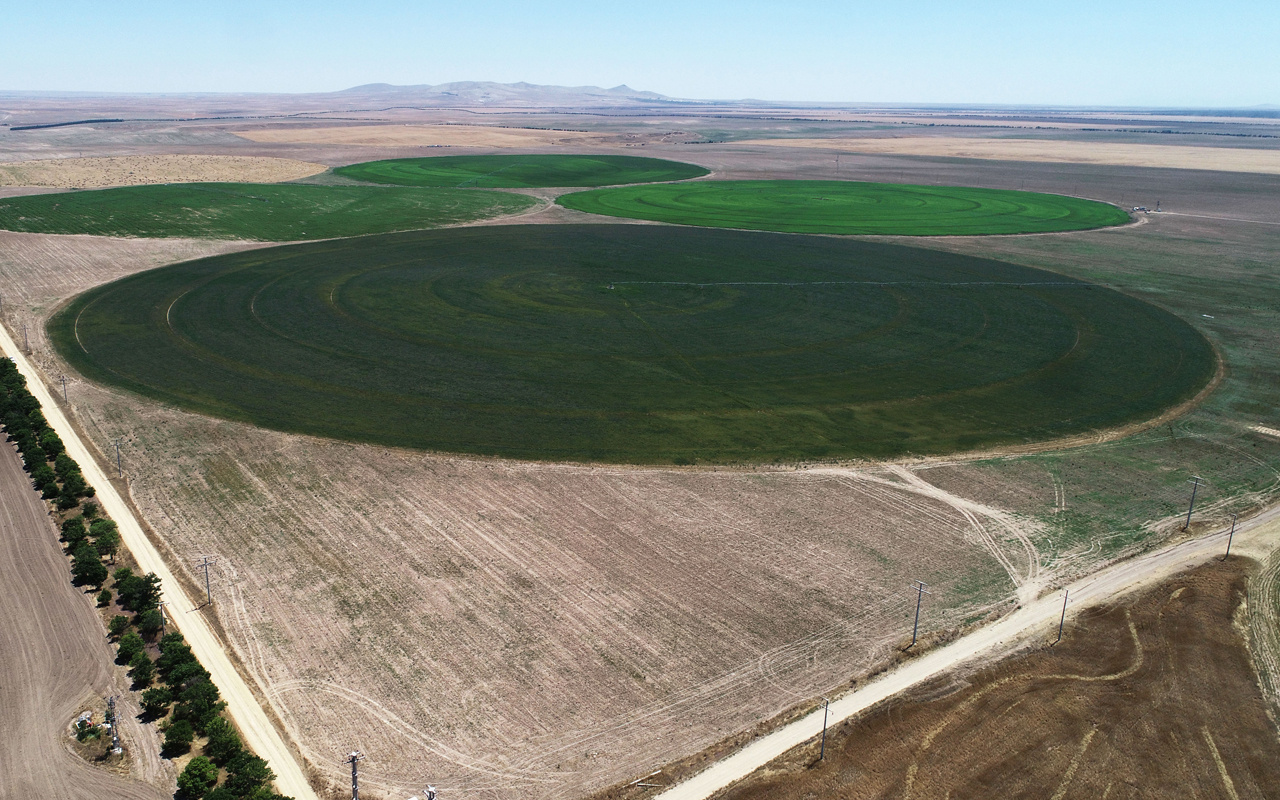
x=94 y=173
x=501 y=171
x=847 y=207
x=628 y=344
x=264 y=212
x=1164 y=156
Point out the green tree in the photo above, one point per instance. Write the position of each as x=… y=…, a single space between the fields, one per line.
x=108 y=544
x=246 y=772
x=34 y=457
x=149 y=623
x=91 y=510
x=224 y=743
x=155 y=702
x=64 y=465
x=185 y=675
x=73 y=531
x=87 y=566
x=139 y=593
x=52 y=444
x=200 y=704
x=198 y=778
x=118 y=625
x=101 y=527
x=141 y=670
x=129 y=645
x=177 y=739
x=104 y=598
x=42 y=474
x=173 y=654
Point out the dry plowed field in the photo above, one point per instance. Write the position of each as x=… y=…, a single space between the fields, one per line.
x=1154 y=697
x=419 y=136
x=1225 y=159
x=95 y=173
x=55 y=663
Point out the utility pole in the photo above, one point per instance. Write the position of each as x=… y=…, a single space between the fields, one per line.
x=822 y=749
x=206 y=562
x=164 y=630
x=1195 y=485
x=353 y=759
x=119 y=472
x=26 y=344
x=837 y=165
x=1230 y=536
x=1065 y=594
x=115 y=729
x=63 y=380
x=920 y=593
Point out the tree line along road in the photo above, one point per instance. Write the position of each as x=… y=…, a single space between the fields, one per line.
x=259 y=733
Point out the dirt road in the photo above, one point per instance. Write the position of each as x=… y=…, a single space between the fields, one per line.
x=259 y=733
x=1035 y=618
x=54 y=658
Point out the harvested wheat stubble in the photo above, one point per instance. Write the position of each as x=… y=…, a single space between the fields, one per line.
x=420 y=136
x=1226 y=159
x=536 y=630
x=93 y=173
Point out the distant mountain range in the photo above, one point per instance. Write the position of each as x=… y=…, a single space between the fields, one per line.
x=473 y=93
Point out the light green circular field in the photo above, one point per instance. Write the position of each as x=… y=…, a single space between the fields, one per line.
x=520 y=171
x=847 y=207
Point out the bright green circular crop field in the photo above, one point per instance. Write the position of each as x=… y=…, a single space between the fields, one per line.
x=637 y=344
x=848 y=207
x=520 y=171
x=275 y=212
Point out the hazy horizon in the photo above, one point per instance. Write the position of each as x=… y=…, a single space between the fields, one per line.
x=1174 y=54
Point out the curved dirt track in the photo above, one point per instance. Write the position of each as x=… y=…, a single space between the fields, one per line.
x=54 y=658
x=1256 y=535
x=259 y=733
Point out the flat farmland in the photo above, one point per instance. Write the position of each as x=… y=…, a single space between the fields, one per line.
x=96 y=173
x=848 y=207
x=1151 y=697
x=522 y=171
x=263 y=212
x=515 y=630
x=637 y=344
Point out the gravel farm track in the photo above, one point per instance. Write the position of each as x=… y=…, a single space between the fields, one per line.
x=55 y=662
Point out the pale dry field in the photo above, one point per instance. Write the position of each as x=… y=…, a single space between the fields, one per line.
x=1223 y=159
x=95 y=173
x=510 y=629
x=420 y=136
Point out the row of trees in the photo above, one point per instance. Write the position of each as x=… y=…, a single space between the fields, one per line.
x=176 y=690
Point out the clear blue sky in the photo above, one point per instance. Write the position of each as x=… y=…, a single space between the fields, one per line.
x=1071 y=52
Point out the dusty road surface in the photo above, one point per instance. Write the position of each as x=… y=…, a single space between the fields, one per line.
x=259 y=733
x=1152 y=696
x=1032 y=619
x=54 y=660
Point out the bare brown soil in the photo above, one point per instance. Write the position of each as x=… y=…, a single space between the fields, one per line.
x=420 y=136
x=94 y=173
x=1154 y=697
x=56 y=663
x=1226 y=159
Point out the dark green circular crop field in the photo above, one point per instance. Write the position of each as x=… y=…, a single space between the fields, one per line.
x=641 y=344
x=520 y=171
x=848 y=207
x=275 y=212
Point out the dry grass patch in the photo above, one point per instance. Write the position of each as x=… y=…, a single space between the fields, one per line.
x=1225 y=159
x=420 y=136
x=92 y=173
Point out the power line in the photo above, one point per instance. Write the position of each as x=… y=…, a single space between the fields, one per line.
x=353 y=759
x=206 y=562
x=920 y=593
x=1195 y=486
